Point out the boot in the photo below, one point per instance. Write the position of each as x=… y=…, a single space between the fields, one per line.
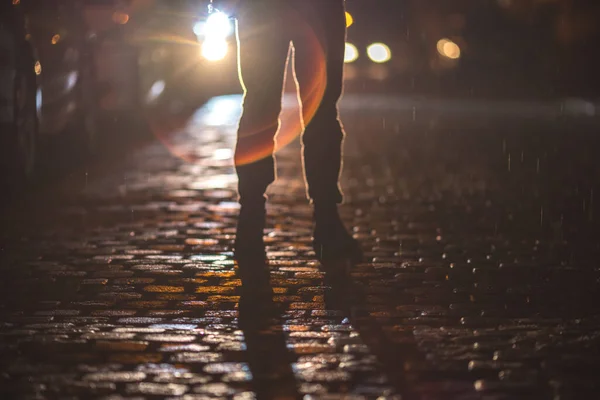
x=331 y=239
x=249 y=244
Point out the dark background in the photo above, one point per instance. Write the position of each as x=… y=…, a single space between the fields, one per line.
x=525 y=48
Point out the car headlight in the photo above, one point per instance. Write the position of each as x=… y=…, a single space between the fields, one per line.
x=214 y=49
x=217 y=25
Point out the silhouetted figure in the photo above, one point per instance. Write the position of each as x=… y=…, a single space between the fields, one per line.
x=317 y=30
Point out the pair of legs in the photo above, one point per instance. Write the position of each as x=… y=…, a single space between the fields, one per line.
x=317 y=29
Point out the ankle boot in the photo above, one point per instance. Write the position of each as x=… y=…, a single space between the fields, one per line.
x=331 y=239
x=249 y=243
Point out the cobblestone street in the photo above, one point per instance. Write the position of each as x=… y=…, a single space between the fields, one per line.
x=481 y=278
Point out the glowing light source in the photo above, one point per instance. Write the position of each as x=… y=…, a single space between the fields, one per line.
x=120 y=18
x=55 y=39
x=214 y=49
x=351 y=53
x=379 y=53
x=349 y=20
x=217 y=25
x=447 y=48
x=37 y=68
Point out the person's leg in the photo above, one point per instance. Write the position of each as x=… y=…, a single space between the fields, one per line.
x=319 y=62
x=263 y=50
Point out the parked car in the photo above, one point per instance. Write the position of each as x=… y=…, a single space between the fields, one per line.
x=47 y=80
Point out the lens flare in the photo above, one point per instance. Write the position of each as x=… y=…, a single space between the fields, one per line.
x=351 y=53
x=214 y=49
x=163 y=38
x=379 y=53
x=311 y=79
x=255 y=141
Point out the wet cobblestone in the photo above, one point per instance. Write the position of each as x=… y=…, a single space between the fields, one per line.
x=481 y=279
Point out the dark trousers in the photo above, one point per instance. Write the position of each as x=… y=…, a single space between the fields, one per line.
x=317 y=29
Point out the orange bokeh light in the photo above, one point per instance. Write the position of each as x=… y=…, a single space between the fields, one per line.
x=120 y=18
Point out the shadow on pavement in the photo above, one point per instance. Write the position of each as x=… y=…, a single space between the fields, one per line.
x=345 y=293
x=269 y=360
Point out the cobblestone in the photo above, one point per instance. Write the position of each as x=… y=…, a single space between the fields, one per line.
x=481 y=278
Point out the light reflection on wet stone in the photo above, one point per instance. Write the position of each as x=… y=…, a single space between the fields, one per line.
x=157 y=389
x=140 y=320
x=108 y=336
x=115 y=376
x=114 y=313
x=169 y=338
x=139 y=330
x=226 y=368
x=199 y=357
x=170 y=348
x=215 y=389
x=151 y=267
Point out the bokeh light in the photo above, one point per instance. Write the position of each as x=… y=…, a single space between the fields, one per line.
x=447 y=48
x=55 y=39
x=349 y=20
x=155 y=91
x=351 y=53
x=379 y=53
x=214 y=49
x=120 y=18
